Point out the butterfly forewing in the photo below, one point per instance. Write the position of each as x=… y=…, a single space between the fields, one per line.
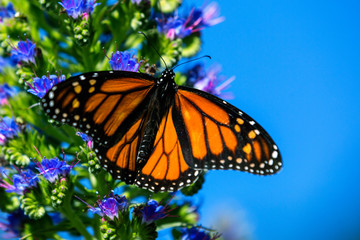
x=220 y=136
x=104 y=105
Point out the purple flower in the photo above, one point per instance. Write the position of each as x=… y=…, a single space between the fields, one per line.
x=110 y=207
x=8 y=129
x=42 y=85
x=22 y=181
x=207 y=16
x=90 y=5
x=24 y=52
x=210 y=81
x=76 y=8
x=6 y=92
x=152 y=211
x=173 y=27
x=177 y=27
x=87 y=139
x=53 y=168
x=7 y=12
x=124 y=61
x=194 y=233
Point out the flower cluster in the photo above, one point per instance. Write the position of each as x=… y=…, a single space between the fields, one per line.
x=41 y=85
x=152 y=211
x=199 y=18
x=124 y=61
x=24 y=52
x=53 y=169
x=110 y=206
x=20 y=182
x=77 y=8
x=8 y=129
x=7 y=12
x=87 y=139
x=50 y=169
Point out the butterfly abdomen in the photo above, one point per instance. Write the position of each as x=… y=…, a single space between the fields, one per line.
x=156 y=112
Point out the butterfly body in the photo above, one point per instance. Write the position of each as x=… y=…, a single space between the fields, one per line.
x=150 y=132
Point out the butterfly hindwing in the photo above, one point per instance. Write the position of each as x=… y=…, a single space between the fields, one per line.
x=166 y=168
x=220 y=136
x=121 y=158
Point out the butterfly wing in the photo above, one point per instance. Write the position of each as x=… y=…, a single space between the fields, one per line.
x=121 y=158
x=104 y=105
x=166 y=168
x=216 y=135
x=110 y=107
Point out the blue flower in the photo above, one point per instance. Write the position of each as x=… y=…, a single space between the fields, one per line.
x=53 y=168
x=8 y=129
x=76 y=8
x=152 y=211
x=124 y=61
x=10 y=227
x=173 y=27
x=6 y=92
x=90 y=5
x=205 y=17
x=42 y=85
x=87 y=139
x=194 y=233
x=24 y=52
x=210 y=81
x=22 y=181
x=178 y=27
x=110 y=207
x=7 y=12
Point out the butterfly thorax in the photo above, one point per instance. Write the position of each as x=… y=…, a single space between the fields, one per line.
x=166 y=82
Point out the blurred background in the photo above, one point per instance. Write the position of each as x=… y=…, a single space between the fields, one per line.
x=297 y=68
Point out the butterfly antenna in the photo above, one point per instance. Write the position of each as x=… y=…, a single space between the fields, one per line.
x=191 y=61
x=153 y=48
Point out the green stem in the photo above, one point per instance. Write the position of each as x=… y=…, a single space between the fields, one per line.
x=73 y=217
x=87 y=59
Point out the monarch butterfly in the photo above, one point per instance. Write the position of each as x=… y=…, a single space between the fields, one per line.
x=159 y=136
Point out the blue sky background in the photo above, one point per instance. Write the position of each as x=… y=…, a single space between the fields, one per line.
x=297 y=73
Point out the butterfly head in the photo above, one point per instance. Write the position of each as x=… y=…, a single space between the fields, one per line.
x=167 y=76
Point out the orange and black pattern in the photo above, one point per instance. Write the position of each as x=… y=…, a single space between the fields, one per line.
x=149 y=132
x=221 y=136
